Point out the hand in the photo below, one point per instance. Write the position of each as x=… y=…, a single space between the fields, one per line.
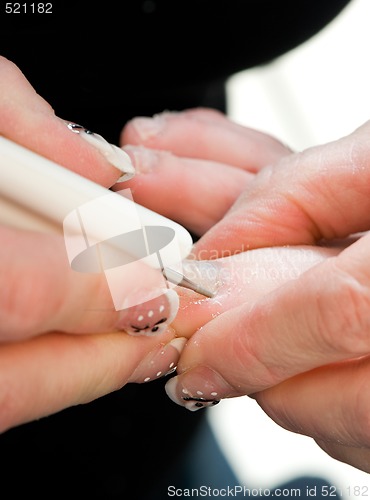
x=62 y=342
x=302 y=349
x=197 y=163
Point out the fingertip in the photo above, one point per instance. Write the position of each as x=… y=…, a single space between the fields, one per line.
x=150 y=317
x=29 y=120
x=144 y=159
x=143 y=129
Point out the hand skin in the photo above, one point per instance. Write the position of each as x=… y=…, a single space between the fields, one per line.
x=191 y=146
x=61 y=340
x=302 y=349
x=62 y=348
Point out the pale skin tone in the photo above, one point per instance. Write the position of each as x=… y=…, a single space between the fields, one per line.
x=83 y=360
x=301 y=350
x=42 y=369
x=56 y=351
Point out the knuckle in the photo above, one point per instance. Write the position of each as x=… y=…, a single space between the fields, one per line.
x=343 y=319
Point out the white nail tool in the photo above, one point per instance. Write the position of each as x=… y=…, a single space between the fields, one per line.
x=36 y=193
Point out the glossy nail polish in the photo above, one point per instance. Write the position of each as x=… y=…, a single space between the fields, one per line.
x=150 y=317
x=113 y=154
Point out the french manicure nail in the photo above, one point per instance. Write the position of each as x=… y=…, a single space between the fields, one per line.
x=160 y=362
x=113 y=154
x=197 y=388
x=150 y=317
x=144 y=159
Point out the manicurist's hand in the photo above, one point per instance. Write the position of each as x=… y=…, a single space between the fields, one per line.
x=62 y=341
x=300 y=344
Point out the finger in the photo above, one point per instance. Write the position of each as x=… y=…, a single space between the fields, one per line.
x=28 y=120
x=205 y=134
x=239 y=280
x=195 y=193
x=41 y=292
x=329 y=404
x=322 y=193
x=319 y=318
x=48 y=373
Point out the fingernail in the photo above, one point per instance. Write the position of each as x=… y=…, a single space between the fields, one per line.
x=152 y=316
x=160 y=362
x=144 y=159
x=210 y=274
x=113 y=154
x=147 y=128
x=197 y=388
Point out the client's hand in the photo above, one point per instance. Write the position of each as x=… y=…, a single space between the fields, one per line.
x=303 y=349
